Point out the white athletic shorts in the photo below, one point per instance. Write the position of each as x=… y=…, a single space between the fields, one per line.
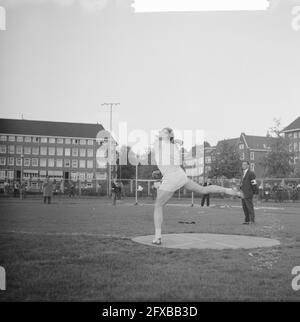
x=174 y=180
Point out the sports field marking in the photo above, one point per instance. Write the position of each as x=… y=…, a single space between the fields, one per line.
x=209 y=241
x=62 y=234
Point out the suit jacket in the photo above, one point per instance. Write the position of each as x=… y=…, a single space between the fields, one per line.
x=248 y=186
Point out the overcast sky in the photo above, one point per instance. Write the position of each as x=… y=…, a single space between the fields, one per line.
x=221 y=72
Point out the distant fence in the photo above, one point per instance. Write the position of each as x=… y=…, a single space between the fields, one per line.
x=270 y=188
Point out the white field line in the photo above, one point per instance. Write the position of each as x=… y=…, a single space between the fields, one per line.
x=62 y=234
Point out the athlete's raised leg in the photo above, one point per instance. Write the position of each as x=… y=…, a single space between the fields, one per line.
x=193 y=186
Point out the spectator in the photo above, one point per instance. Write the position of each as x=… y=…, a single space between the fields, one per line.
x=47 y=190
x=6 y=187
x=114 y=191
x=206 y=196
x=72 y=190
x=16 y=188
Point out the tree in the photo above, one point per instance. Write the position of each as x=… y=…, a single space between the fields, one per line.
x=278 y=161
x=226 y=162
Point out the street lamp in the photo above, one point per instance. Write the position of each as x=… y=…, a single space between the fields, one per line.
x=111 y=105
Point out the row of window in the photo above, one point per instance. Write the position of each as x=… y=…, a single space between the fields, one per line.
x=30 y=139
x=242 y=146
x=252 y=156
x=294 y=135
x=44 y=150
x=294 y=147
x=82 y=176
x=58 y=163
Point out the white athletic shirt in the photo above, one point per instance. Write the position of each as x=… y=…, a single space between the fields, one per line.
x=167 y=156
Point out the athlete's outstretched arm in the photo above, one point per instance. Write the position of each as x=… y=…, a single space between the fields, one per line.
x=193 y=186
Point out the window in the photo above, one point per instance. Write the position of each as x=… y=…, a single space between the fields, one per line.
x=18 y=162
x=35 y=140
x=295 y=135
x=74 y=163
x=81 y=176
x=52 y=140
x=28 y=139
x=59 y=163
x=241 y=146
x=44 y=140
x=35 y=162
x=50 y=163
x=3 y=138
x=35 y=150
x=67 y=163
x=242 y=157
x=82 y=142
x=43 y=163
x=67 y=141
x=290 y=135
x=27 y=162
x=60 y=141
x=252 y=166
x=51 y=151
x=10 y=174
x=27 y=150
x=59 y=151
x=75 y=152
x=89 y=176
x=74 y=176
x=11 y=138
x=19 y=138
x=2 y=174
x=90 y=142
x=90 y=153
x=2 y=148
x=75 y=141
x=82 y=164
x=90 y=164
x=43 y=150
x=295 y=146
x=290 y=148
x=251 y=155
x=11 y=161
x=82 y=152
x=67 y=152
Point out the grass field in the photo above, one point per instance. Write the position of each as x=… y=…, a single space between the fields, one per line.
x=81 y=250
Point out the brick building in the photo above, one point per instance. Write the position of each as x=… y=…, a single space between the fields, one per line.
x=292 y=132
x=60 y=150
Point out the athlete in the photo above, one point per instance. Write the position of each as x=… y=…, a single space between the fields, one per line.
x=168 y=160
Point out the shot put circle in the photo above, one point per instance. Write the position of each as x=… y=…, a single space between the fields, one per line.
x=208 y=241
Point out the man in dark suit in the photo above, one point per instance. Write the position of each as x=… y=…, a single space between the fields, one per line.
x=248 y=187
x=206 y=196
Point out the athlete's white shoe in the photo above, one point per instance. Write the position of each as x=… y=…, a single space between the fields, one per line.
x=156 y=241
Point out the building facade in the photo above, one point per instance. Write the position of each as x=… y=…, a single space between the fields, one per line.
x=32 y=150
x=292 y=132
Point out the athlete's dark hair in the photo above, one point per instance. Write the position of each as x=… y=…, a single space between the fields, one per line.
x=171 y=133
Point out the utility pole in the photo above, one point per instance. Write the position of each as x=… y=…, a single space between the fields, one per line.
x=110 y=105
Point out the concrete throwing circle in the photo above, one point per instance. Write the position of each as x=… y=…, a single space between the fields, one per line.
x=208 y=241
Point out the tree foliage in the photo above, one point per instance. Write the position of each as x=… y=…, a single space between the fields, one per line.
x=226 y=162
